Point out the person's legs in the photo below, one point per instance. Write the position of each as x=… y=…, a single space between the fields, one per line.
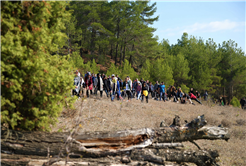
x=160 y=95
x=197 y=101
x=147 y=99
x=139 y=95
x=95 y=91
x=128 y=94
x=119 y=96
x=101 y=92
x=87 y=93
x=133 y=93
x=164 y=97
x=142 y=98
x=106 y=91
x=112 y=96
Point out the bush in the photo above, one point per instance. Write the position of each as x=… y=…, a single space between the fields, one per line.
x=35 y=85
x=235 y=102
x=113 y=70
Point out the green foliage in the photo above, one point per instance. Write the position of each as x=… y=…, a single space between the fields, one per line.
x=184 y=88
x=180 y=68
x=235 y=102
x=162 y=72
x=113 y=70
x=127 y=70
x=35 y=85
x=92 y=67
x=145 y=71
x=78 y=62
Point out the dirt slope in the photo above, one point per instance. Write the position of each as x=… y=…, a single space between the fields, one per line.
x=102 y=114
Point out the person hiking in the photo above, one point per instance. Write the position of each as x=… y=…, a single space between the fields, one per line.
x=115 y=88
x=99 y=84
x=179 y=94
x=82 y=86
x=169 y=92
x=77 y=84
x=127 y=88
x=193 y=97
x=198 y=95
x=145 y=90
x=162 y=91
x=95 y=82
x=134 y=87
x=109 y=82
x=88 y=84
x=139 y=90
x=151 y=90
x=186 y=97
x=156 y=90
x=192 y=91
x=105 y=85
x=205 y=95
x=243 y=102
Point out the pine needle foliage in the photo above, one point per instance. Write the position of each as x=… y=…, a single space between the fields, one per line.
x=35 y=85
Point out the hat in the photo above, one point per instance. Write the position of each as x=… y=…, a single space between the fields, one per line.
x=113 y=75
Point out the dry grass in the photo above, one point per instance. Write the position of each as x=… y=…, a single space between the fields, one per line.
x=104 y=115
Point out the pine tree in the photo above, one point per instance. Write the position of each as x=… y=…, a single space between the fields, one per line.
x=162 y=72
x=113 y=70
x=127 y=70
x=145 y=71
x=180 y=68
x=35 y=85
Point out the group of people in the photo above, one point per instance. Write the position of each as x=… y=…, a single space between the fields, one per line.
x=114 y=86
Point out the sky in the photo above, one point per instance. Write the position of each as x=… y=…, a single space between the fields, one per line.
x=219 y=20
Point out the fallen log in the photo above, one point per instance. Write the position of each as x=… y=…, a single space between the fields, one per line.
x=103 y=144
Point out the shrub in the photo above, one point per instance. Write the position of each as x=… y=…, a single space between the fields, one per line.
x=113 y=70
x=235 y=102
x=35 y=85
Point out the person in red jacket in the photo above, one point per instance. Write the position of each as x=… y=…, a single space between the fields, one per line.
x=193 y=97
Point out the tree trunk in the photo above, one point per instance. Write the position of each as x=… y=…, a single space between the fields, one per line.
x=118 y=34
x=130 y=59
x=93 y=37
x=132 y=143
x=120 y=54
x=111 y=52
x=124 y=52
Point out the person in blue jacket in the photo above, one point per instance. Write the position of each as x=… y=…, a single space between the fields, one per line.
x=162 y=91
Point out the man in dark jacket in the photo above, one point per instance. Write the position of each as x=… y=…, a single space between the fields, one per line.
x=156 y=90
x=243 y=102
x=205 y=95
x=134 y=87
x=105 y=85
x=198 y=95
